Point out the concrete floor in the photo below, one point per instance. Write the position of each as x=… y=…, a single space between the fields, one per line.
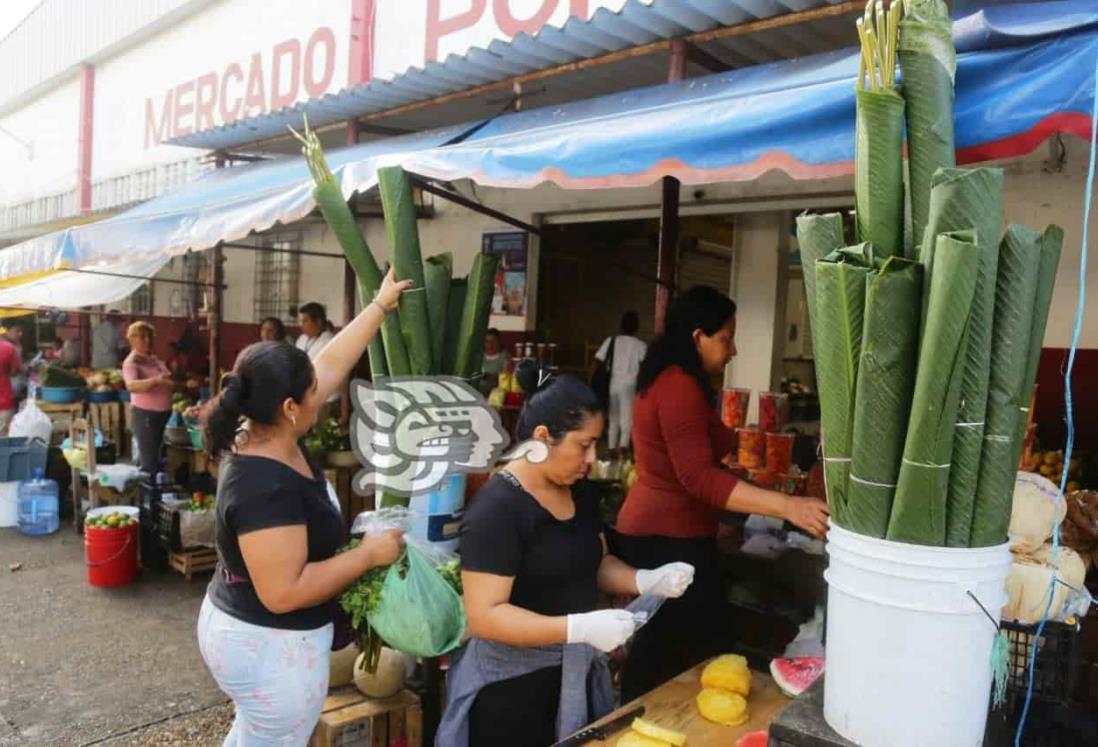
x=86 y=666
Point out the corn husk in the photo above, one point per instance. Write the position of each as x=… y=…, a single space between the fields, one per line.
x=1015 y=295
x=840 y=313
x=919 y=506
x=817 y=236
x=399 y=207
x=929 y=64
x=886 y=380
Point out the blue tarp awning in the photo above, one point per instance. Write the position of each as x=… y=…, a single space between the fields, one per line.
x=796 y=116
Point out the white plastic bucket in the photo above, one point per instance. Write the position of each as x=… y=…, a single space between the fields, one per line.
x=908 y=650
x=9 y=504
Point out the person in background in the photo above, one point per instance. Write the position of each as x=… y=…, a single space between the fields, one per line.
x=316 y=332
x=624 y=363
x=272 y=329
x=265 y=628
x=13 y=333
x=188 y=358
x=312 y=318
x=534 y=561
x=70 y=353
x=108 y=344
x=672 y=512
x=9 y=366
x=150 y=385
x=496 y=361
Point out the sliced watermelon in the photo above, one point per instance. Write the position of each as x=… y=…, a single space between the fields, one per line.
x=796 y=674
x=754 y=739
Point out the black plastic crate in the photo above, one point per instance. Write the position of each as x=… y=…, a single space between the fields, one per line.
x=167 y=528
x=1057 y=664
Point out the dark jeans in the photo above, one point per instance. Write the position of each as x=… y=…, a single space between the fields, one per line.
x=148 y=429
x=685 y=631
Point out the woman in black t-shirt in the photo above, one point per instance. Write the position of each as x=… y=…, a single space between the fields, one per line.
x=265 y=629
x=533 y=563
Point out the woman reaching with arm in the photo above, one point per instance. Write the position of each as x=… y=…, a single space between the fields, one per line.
x=533 y=564
x=265 y=629
x=672 y=512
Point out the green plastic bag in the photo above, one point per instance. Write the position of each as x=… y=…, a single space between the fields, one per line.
x=419 y=612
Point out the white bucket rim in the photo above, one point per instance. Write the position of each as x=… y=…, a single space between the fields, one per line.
x=847 y=538
x=131 y=511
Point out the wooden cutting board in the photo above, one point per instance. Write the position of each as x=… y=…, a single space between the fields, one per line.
x=672 y=705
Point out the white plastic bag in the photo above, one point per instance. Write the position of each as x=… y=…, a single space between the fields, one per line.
x=31 y=422
x=399 y=517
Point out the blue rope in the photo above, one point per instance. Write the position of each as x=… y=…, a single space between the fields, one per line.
x=1080 y=308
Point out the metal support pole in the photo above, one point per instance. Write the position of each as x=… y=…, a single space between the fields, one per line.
x=218 y=259
x=669 y=210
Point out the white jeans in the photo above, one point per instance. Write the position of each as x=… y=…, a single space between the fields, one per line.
x=621 y=415
x=277 y=679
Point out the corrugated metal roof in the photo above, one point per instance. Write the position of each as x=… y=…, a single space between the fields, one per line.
x=60 y=34
x=638 y=22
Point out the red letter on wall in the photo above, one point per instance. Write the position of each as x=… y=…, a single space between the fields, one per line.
x=289 y=52
x=255 y=93
x=230 y=115
x=438 y=27
x=510 y=26
x=156 y=133
x=206 y=101
x=184 y=108
x=324 y=40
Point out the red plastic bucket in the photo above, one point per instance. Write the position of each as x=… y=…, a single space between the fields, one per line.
x=111 y=555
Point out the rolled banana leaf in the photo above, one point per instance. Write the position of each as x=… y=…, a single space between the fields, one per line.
x=878 y=170
x=469 y=357
x=456 y=304
x=1015 y=296
x=840 y=315
x=886 y=380
x=338 y=216
x=929 y=64
x=817 y=236
x=1052 y=242
x=919 y=506
x=437 y=273
x=964 y=199
x=399 y=207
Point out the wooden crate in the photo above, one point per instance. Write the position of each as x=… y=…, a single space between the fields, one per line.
x=190 y=562
x=350 y=719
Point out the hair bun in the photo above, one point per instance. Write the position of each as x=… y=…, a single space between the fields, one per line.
x=528 y=373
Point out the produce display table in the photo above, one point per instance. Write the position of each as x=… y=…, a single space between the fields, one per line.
x=672 y=705
x=802 y=723
x=107 y=418
x=62 y=416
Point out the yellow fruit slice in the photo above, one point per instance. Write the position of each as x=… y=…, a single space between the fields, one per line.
x=648 y=729
x=722 y=707
x=636 y=739
x=728 y=672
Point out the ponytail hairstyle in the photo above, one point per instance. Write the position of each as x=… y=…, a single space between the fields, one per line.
x=561 y=403
x=700 y=308
x=265 y=376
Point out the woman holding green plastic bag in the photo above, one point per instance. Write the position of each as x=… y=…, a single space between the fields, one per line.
x=533 y=563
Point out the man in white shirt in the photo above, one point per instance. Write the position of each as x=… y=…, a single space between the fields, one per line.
x=624 y=364
x=108 y=343
x=316 y=332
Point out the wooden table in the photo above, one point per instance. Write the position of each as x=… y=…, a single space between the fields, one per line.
x=62 y=416
x=672 y=705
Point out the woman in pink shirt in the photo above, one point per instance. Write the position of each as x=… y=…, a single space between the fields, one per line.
x=150 y=385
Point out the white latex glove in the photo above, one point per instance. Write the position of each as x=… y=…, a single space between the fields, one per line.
x=668 y=581
x=603 y=629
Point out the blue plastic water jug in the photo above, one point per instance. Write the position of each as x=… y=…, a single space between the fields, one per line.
x=38 y=505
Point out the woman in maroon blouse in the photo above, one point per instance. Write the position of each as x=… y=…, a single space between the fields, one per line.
x=672 y=512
